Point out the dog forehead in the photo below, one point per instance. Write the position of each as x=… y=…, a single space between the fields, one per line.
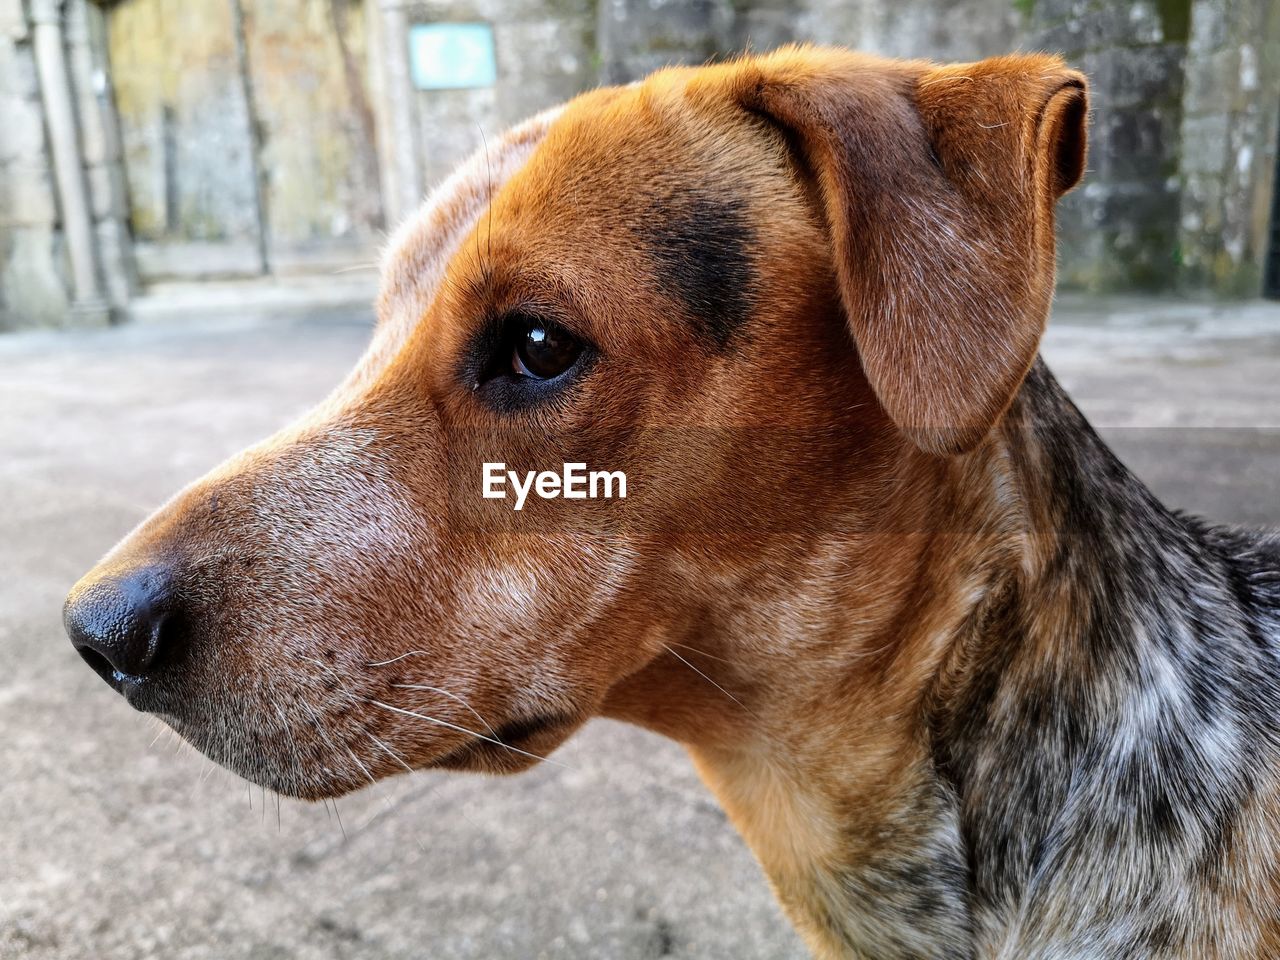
x=648 y=182
x=415 y=259
x=675 y=170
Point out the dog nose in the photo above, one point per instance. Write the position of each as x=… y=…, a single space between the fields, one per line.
x=118 y=623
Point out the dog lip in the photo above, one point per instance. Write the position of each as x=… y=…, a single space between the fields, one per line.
x=513 y=734
x=127 y=685
x=144 y=694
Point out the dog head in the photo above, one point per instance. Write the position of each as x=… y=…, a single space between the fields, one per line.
x=750 y=288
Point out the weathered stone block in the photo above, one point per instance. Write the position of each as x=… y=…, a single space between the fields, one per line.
x=1066 y=37
x=75 y=25
x=1122 y=24
x=637 y=37
x=1209 y=26
x=93 y=136
x=13 y=20
x=762 y=27
x=1135 y=145
x=567 y=68
x=115 y=254
x=1205 y=143
x=27 y=195
x=1201 y=206
x=100 y=191
x=18 y=76
x=1136 y=76
x=1043 y=13
x=33 y=277
x=1211 y=81
x=22 y=121
x=572 y=13
x=831 y=21
x=965 y=30
x=83 y=71
x=449 y=128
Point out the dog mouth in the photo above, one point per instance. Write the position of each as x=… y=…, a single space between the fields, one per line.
x=514 y=746
x=329 y=764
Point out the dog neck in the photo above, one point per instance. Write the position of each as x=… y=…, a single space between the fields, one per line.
x=1031 y=680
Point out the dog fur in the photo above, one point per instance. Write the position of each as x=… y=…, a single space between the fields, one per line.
x=965 y=687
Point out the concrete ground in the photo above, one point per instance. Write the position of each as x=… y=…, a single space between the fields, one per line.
x=119 y=844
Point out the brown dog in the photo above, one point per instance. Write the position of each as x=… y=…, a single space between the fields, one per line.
x=964 y=686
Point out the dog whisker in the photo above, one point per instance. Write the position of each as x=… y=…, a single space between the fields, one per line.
x=478 y=736
x=160 y=730
x=373 y=782
x=391 y=753
x=386 y=800
x=387 y=663
x=710 y=656
x=452 y=696
x=365 y=770
x=712 y=682
x=327 y=739
x=327 y=668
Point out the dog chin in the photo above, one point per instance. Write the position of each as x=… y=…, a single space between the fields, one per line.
x=287 y=777
x=326 y=773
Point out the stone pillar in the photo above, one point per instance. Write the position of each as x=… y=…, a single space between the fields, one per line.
x=377 y=84
x=398 y=152
x=89 y=307
x=101 y=151
x=33 y=287
x=253 y=133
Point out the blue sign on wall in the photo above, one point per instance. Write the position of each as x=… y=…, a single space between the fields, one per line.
x=452 y=56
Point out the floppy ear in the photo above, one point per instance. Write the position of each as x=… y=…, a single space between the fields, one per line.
x=938 y=186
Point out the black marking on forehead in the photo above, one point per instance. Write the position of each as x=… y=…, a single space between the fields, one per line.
x=701 y=245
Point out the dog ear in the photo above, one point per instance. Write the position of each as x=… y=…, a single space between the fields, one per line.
x=938 y=186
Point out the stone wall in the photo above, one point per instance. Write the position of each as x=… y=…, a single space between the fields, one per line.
x=307 y=60
x=35 y=282
x=1185 y=95
x=1119 y=230
x=256 y=141
x=1229 y=135
x=249 y=132
x=100 y=148
x=33 y=273
x=186 y=131
x=546 y=53
x=549 y=50
x=638 y=36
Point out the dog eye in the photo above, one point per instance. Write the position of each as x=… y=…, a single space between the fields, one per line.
x=541 y=350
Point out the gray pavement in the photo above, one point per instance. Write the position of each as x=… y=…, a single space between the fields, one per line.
x=118 y=843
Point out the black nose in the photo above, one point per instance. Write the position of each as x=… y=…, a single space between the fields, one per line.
x=121 y=624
